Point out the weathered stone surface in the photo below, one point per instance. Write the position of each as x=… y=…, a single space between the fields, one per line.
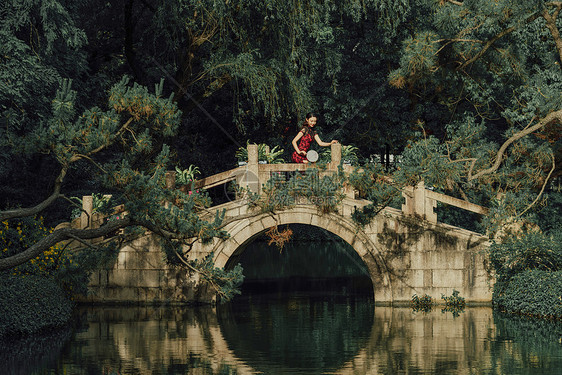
x=404 y=256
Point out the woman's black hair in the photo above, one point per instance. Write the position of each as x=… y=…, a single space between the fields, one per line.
x=305 y=126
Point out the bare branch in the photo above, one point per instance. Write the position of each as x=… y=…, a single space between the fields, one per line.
x=454 y=2
x=163 y=232
x=31 y=211
x=92 y=161
x=552 y=27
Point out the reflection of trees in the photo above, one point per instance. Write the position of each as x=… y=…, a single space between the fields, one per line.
x=276 y=336
x=525 y=343
x=26 y=354
x=150 y=340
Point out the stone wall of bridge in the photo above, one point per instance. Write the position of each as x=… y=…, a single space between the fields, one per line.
x=406 y=251
x=404 y=256
x=141 y=275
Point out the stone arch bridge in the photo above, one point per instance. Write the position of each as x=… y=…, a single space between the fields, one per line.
x=406 y=251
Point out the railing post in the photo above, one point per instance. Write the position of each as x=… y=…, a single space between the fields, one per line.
x=87 y=208
x=250 y=179
x=336 y=155
x=418 y=204
x=170 y=180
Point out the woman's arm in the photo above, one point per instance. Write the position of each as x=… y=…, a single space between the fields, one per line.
x=324 y=144
x=295 y=140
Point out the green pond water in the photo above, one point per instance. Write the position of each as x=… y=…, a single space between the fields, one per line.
x=299 y=313
x=298 y=334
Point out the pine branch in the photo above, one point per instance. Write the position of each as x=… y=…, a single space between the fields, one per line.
x=542 y=188
x=555 y=116
x=31 y=211
x=62 y=235
x=489 y=44
x=552 y=27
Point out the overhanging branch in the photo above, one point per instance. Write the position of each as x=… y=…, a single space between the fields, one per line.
x=551 y=117
x=31 y=211
x=62 y=235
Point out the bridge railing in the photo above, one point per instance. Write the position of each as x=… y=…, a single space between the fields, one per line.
x=421 y=202
x=253 y=175
x=418 y=200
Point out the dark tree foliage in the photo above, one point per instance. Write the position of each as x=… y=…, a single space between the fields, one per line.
x=468 y=92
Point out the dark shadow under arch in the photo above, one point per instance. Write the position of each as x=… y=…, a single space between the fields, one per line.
x=315 y=261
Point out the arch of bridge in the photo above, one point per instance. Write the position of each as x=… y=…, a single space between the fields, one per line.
x=245 y=230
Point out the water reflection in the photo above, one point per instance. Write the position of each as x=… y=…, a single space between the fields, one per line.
x=26 y=354
x=297 y=335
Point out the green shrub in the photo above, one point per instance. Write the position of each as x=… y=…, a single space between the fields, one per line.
x=453 y=303
x=31 y=304
x=186 y=176
x=534 y=293
x=531 y=251
x=273 y=156
x=453 y=300
x=348 y=155
x=423 y=303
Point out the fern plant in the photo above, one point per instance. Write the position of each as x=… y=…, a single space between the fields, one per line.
x=185 y=176
x=273 y=156
x=348 y=155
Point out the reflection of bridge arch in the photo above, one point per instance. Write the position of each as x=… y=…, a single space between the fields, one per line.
x=244 y=230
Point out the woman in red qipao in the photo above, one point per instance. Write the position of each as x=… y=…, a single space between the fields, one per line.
x=305 y=137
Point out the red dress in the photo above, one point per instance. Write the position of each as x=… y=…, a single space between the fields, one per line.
x=304 y=144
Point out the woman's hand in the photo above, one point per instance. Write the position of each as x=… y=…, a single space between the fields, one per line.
x=333 y=142
x=301 y=152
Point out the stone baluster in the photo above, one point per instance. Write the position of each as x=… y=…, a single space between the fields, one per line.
x=250 y=178
x=170 y=180
x=416 y=203
x=336 y=156
x=87 y=208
